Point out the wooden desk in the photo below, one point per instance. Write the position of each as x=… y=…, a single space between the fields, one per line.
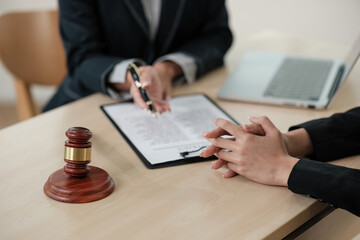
x=183 y=202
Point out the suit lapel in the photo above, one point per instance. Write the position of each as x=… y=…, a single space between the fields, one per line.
x=169 y=22
x=136 y=9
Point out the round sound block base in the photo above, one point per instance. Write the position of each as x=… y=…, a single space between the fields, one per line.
x=94 y=186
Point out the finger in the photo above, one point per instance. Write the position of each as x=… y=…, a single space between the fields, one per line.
x=228 y=126
x=146 y=76
x=265 y=123
x=230 y=174
x=217 y=132
x=233 y=167
x=166 y=106
x=145 y=84
x=225 y=143
x=167 y=93
x=168 y=97
x=209 y=151
x=158 y=107
x=228 y=156
x=218 y=164
x=254 y=129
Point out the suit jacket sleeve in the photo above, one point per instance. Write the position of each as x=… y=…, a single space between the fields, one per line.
x=84 y=44
x=333 y=138
x=212 y=40
x=337 y=185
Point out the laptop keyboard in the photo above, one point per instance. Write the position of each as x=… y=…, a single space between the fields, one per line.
x=299 y=79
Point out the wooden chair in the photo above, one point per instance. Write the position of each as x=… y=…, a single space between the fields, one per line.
x=32 y=51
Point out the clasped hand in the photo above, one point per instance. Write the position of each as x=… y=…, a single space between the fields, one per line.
x=256 y=151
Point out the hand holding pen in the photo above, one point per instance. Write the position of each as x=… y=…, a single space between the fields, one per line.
x=155 y=83
x=135 y=74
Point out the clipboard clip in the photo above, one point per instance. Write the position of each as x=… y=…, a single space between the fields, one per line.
x=185 y=153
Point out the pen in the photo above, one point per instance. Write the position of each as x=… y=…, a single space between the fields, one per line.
x=134 y=71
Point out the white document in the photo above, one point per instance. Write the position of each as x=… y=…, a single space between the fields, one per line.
x=162 y=139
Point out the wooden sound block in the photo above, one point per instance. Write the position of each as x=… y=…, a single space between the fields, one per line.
x=96 y=185
x=77 y=182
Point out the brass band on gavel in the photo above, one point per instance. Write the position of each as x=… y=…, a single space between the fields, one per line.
x=77 y=154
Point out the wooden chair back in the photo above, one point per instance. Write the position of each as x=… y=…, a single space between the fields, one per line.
x=32 y=51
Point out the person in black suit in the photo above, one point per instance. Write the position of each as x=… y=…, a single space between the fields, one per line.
x=261 y=153
x=171 y=40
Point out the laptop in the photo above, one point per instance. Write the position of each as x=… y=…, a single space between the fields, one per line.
x=288 y=80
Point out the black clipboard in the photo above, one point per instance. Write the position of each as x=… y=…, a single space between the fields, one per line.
x=171 y=163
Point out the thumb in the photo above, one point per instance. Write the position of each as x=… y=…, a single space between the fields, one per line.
x=265 y=123
x=146 y=77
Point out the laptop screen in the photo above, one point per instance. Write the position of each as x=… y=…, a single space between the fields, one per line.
x=351 y=58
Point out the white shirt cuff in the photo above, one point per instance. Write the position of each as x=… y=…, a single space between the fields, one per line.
x=118 y=75
x=119 y=96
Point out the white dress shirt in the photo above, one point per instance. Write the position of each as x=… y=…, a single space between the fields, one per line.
x=152 y=10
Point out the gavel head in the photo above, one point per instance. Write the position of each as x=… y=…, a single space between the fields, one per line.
x=77 y=151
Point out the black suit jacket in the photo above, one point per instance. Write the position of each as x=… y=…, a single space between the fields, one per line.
x=98 y=34
x=333 y=138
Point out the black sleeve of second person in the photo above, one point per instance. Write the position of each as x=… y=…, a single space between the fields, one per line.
x=335 y=137
x=337 y=185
